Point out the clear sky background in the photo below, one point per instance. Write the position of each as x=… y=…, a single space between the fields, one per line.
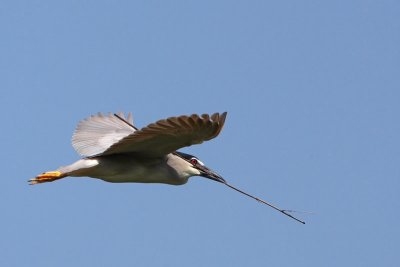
x=312 y=94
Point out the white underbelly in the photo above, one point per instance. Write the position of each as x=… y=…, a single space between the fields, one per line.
x=135 y=173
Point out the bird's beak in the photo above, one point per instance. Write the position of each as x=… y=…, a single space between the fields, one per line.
x=206 y=172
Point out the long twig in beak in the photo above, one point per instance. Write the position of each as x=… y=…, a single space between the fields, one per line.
x=266 y=203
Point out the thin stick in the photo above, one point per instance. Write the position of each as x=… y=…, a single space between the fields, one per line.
x=119 y=117
x=266 y=203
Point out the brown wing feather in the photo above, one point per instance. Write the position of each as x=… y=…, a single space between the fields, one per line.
x=166 y=136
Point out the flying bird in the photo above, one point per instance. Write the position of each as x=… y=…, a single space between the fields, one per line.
x=116 y=151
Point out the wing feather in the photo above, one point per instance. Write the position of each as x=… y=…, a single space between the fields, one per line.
x=97 y=133
x=166 y=136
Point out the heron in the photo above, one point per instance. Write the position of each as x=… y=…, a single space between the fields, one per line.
x=114 y=150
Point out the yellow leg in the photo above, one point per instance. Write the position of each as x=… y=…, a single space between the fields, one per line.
x=47 y=177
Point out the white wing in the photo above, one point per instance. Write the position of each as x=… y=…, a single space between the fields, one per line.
x=97 y=133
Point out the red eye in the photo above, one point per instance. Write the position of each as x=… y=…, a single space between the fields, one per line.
x=193 y=161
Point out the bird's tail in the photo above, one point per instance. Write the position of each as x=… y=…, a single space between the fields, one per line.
x=47 y=177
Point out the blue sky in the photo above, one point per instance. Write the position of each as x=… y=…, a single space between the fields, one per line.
x=312 y=94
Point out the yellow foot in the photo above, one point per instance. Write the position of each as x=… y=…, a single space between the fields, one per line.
x=46 y=177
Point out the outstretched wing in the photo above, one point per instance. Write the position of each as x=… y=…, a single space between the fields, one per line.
x=166 y=136
x=96 y=134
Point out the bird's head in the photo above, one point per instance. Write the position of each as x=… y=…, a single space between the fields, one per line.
x=198 y=168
